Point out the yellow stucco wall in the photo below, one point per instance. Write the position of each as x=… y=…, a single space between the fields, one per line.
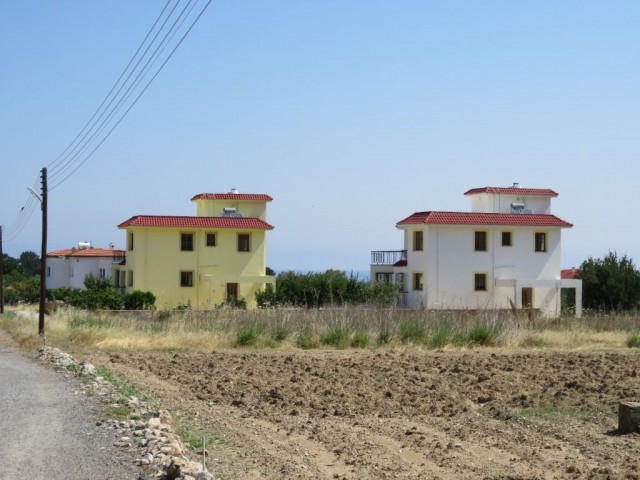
x=157 y=260
x=214 y=208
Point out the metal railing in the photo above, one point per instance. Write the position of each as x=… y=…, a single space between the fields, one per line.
x=387 y=257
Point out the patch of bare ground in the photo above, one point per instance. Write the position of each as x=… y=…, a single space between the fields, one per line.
x=400 y=414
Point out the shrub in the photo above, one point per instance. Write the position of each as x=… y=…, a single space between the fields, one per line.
x=233 y=302
x=246 y=335
x=138 y=300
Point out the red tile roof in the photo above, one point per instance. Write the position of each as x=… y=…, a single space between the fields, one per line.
x=87 y=252
x=195 y=222
x=473 y=218
x=569 y=273
x=255 y=197
x=542 y=192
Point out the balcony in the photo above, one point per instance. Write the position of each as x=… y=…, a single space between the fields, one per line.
x=387 y=257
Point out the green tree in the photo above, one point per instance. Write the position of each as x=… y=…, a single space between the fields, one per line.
x=9 y=264
x=30 y=263
x=610 y=284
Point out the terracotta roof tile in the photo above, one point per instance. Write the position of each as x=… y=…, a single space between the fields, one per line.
x=473 y=218
x=87 y=252
x=542 y=192
x=259 y=197
x=569 y=273
x=195 y=222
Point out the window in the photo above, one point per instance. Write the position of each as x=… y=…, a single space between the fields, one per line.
x=400 y=280
x=48 y=271
x=186 y=279
x=102 y=273
x=417 y=281
x=480 y=282
x=384 y=277
x=506 y=239
x=417 y=241
x=480 y=241
x=244 y=242
x=211 y=240
x=116 y=279
x=186 y=242
x=541 y=242
x=130 y=282
x=130 y=242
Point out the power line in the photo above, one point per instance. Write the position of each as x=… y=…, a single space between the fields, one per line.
x=52 y=165
x=75 y=162
x=123 y=96
x=70 y=160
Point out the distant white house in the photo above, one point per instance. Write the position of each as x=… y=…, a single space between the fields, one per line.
x=69 y=267
x=503 y=254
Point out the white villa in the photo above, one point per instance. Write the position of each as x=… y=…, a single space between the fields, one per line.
x=503 y=254
x=69 y=267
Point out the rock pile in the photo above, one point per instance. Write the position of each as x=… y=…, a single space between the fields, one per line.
x=148 y=431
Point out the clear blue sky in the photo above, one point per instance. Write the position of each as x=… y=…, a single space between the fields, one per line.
x=351 y=114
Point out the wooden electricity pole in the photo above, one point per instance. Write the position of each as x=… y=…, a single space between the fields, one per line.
x=43 y=255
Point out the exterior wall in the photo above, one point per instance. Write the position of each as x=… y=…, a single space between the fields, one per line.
x=214 y=208
x=57 y=273
x=70 y=272
x=501 y=203
x=449 y=262
x=157 y=261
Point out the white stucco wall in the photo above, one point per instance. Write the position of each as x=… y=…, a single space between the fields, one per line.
x=70 y=272
x=449 y=263
x=501 y=203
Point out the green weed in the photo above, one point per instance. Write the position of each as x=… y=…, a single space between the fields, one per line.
x=411 y=330
x=337 y=337
x=633 y=340
x=360 y=339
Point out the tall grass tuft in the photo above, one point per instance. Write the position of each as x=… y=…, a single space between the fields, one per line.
x=481 y=335
x=411 y=330
x=306 y=339
x=336 y=336
x=360 y=339
x=633 y=339
x=441 y=335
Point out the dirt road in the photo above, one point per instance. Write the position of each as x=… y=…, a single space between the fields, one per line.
x=401 y=414
x=49 y=429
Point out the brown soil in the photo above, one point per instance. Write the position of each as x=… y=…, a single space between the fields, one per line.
x=400 y=414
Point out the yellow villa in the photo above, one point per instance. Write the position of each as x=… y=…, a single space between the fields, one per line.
x=199 y=261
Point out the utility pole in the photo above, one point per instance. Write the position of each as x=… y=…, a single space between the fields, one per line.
x=1 y=274
x=43 y=254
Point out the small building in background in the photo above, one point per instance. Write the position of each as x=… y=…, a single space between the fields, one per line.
x=68 y=268
x=503 y=254
x=199 y=261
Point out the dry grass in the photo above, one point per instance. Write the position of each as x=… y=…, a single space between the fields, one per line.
x=344 y=327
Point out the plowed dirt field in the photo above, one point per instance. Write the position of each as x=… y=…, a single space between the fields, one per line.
x=400 y=414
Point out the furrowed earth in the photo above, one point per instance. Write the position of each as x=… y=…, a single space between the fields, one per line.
x=399 y=414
